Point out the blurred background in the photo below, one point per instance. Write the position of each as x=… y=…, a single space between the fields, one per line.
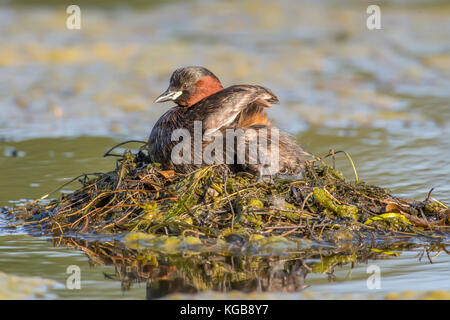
x=66 y=96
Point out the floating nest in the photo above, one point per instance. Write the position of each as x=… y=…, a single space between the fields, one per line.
x=213 y=203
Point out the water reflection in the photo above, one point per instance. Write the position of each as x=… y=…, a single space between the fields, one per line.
x=193 y=272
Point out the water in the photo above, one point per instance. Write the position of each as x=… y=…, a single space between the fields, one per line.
x=382 y=96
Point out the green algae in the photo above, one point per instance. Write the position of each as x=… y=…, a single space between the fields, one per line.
x=330 y=262
x=324 y=199
x=390 y=217
x=14 y=287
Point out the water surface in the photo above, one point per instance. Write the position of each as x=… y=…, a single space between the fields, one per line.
x=382 y=96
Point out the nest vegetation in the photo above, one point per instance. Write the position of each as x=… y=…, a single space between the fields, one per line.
x=213 y=203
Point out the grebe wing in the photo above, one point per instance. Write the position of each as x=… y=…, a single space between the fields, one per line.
x=223 y=108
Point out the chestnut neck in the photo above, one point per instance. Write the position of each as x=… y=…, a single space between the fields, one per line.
x=204 y=87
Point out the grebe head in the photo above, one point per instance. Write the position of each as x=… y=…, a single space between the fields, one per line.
x=189 y=85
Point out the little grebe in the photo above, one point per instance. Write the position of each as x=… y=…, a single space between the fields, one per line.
x=200 y=96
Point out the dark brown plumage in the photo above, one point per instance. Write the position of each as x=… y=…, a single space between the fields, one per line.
x=200 y=97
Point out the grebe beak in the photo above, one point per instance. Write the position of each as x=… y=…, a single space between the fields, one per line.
x=168 y=95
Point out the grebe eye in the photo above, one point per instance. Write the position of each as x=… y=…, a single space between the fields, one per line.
x=184 y=86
